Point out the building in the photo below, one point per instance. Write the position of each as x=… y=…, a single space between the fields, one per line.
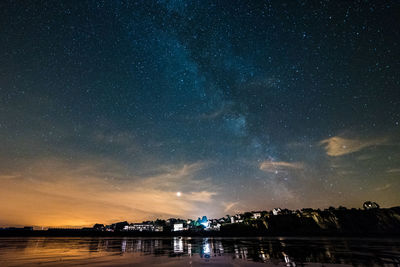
x=368 y=205
x=256 y=215
x=179 y=227
x=215 y=224
x=237 y=218
x=204 y=222
x=276 y=211
x=143 y=227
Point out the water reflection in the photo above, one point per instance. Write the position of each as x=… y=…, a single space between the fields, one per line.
x=283 y=251
x=178 y=245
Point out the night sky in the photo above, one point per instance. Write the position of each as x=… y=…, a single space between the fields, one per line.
x=108 y=109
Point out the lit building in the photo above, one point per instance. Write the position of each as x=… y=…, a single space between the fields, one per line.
x=143 y=227
x=368 y=205
x=237 y=219
x=179 y=227
x=214 y=225
x=204 y=222
x=276 y=211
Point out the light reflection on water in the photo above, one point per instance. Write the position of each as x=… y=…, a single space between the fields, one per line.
x=186 y=251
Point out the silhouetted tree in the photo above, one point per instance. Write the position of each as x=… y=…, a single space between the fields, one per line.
x=98 y=227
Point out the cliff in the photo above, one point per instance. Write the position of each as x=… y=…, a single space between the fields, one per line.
x=326 y=222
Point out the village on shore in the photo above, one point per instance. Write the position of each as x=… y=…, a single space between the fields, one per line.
x=371 y=219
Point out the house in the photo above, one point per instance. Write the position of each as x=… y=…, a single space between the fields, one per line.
x=143 y=227
x=276 y=211
x=368 y=205
x=237 y=219
x=179 y=227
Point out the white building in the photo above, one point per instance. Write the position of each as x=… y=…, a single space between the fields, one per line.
x=215 y=226
x=276 y=211
x=236 y=219
x=143 y=227
x=179 y=227
x=256 y=215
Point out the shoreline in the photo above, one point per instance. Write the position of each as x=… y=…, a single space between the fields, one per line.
x=96 y=234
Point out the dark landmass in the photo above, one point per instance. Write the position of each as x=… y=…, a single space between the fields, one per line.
x=307 y=222
x=332 y=222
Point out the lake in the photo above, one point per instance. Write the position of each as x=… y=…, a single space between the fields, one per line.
x=186 y=251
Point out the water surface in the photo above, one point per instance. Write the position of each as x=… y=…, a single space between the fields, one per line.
x=186 y=251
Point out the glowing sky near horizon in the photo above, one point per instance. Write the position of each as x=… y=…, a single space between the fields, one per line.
x=136 y=110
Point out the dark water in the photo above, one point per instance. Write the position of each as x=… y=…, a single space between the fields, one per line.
x=56 y=251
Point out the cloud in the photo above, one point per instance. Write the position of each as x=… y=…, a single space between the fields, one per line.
x=228 y=206
x=171 y=176
x=225 y=107
x=272 y=166
x=393 y=170
x=123 y=141
x=216 y=114
x=8 y=176
x=365 y=157
x=382 y=188
x=53 y=192
x=339 y=146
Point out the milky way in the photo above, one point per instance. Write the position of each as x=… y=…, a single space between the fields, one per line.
x=108 y=109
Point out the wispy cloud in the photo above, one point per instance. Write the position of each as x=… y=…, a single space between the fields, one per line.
x=229 y=206
x=8 y=176
x=382 y=188
x=365 y=157
x=216 y=113
x=272 y=166
x=125 y=141
x=395 y=170
x=339 y=146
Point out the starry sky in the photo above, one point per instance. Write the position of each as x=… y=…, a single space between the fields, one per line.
x=109 y=108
